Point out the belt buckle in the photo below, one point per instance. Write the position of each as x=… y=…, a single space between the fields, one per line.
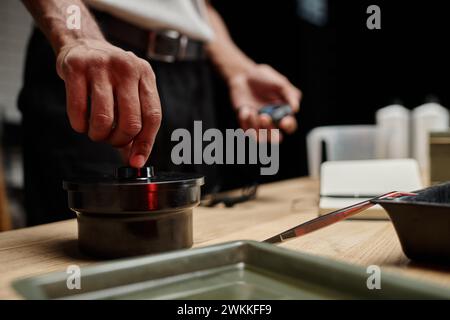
x=178 y=53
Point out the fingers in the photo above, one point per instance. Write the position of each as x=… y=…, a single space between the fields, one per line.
x=102 y=109
x=288 y=124
x=125 y=152
x=265 y=122
x=125 y=108
x=264 y=86
x=128 y=114
x=76 y=95
x=291 y=95
x=151 y=120
x=248 y=117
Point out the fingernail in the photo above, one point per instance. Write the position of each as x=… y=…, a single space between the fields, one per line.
x=244 y=113
x=275 y=136
x=137 y=161
x=265 y=120
x=288 y=124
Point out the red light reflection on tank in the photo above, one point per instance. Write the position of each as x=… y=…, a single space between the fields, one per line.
x=152 y=196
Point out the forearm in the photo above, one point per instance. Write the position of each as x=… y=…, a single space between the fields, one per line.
x=51 y=17
x=223 y=52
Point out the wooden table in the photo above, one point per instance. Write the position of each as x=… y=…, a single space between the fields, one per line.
x=279 y=206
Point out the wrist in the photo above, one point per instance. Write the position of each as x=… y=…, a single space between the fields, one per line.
x=230 y=62
x=69 y=40
x=232 y=73
x=60 y=36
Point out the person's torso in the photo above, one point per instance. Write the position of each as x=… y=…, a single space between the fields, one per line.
x=186 y=16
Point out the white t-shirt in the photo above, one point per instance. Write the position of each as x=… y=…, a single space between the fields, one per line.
x=186 y=16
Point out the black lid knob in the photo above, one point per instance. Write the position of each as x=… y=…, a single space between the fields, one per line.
x=130 y=173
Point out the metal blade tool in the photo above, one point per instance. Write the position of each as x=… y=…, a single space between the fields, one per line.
x=332 y=217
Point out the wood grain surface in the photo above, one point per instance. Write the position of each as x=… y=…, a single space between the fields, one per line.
x=279 y=206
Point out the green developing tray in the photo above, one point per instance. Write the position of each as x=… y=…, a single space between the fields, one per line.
x=229 y=271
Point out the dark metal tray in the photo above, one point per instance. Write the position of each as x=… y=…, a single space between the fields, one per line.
x=235 y=270
x=422 y=223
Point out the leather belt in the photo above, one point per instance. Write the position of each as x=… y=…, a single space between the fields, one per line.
x=160 y=45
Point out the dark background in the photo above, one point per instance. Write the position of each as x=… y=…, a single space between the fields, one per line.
x=346 y=71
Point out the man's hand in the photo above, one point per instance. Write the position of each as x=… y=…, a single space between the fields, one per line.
x=252 y=85
x=124 y=104
x=259 y=86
